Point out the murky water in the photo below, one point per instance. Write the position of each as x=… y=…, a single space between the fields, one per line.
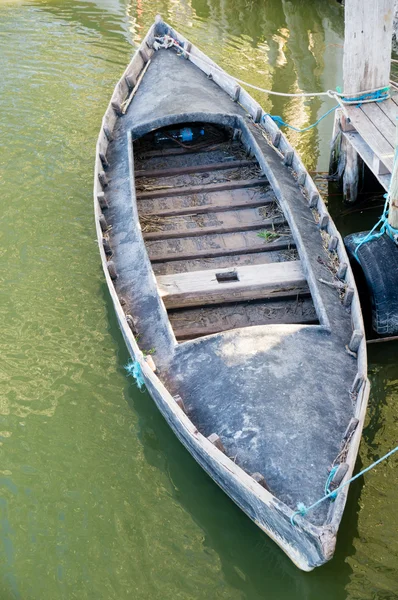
x=98 y=499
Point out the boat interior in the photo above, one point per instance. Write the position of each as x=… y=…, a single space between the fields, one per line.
x=218 y=241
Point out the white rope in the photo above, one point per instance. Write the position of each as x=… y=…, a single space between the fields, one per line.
x=169 y=42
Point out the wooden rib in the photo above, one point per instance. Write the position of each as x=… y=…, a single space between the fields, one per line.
x=221 y=166
x=201 y=189
x=284 y=243
x=234 y=226
x=259 y=281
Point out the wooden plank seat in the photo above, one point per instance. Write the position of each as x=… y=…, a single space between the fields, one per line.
x=201 y=288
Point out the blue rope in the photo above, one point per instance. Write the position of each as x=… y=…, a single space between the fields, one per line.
x=377 y=96
x=384 y=225
x=281 y=122
x=329 y=481
x=134 y=369
x=303 y=510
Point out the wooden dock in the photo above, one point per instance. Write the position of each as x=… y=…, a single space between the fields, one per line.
x=370 y=131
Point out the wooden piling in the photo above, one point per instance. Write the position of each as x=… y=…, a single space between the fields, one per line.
x=366 y=66
x=393 y=206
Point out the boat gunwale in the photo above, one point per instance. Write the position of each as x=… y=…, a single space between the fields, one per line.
x=181 y=421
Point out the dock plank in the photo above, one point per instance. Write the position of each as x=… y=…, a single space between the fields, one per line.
x=390 y=109
x=372 y=136
x=375 y=114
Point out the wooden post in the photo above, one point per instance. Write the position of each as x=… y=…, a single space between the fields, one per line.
x=393 y=208
x=366 y=66
x=367 y=44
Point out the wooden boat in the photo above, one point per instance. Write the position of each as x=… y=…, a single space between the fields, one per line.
x=232 y=289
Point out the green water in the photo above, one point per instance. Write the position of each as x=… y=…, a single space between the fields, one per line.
x=98 y=500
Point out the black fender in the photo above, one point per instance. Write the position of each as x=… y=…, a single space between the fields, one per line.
x=378 y=259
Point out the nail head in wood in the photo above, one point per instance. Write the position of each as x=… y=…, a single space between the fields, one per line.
x=102 y=200
x=104 y=160
x=334 y=240
x=355 y=341
x=103 y=223
x=276 y=138
x=288 y=160
x=103 y=179
x=112 y=269
x=323 y=221
x=348 y=296
x=342 y=271
x=215 y=440
x=313 y=201
x=180 y=402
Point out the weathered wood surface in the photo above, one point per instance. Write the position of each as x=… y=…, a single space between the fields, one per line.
x=366 y=66
x=170 y=172
x=198 y=189
x=259 y=281
x=227 y=244
x=208 y=202
x=197 y=322
x=221 y=262
x=367 y=44
x=209 y=224
x=393 y=204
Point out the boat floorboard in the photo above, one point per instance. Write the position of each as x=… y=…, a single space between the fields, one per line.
x=220 y=262
x=197 y=322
